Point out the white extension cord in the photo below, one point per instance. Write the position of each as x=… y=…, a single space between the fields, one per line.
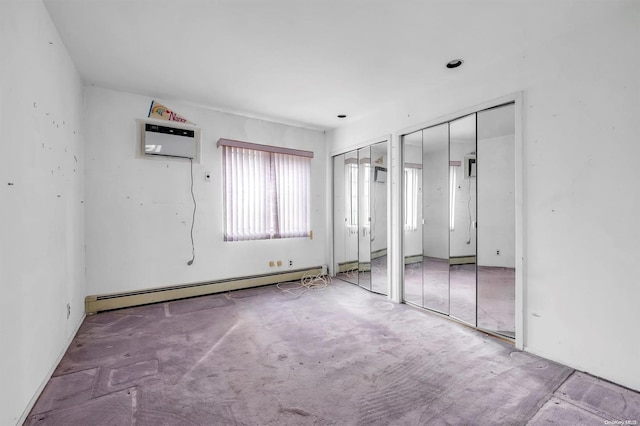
x=307 y=282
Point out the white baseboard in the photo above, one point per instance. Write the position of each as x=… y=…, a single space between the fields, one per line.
x=104 y=302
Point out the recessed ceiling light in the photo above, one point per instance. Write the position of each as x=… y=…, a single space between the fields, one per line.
x=455 y=63
x=342 y=116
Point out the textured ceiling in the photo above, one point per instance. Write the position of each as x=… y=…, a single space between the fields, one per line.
x=300 y=61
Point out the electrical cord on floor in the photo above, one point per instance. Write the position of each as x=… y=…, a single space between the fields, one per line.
x=352 y=273
x=308 y=282
x=193 y=218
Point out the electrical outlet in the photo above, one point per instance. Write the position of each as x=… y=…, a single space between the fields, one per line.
x=291 y=263
x=497 y=252
x=68 y=310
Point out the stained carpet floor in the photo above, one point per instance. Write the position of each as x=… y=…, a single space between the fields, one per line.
x=342 y=356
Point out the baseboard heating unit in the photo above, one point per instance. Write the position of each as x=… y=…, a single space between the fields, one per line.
x=106 y=302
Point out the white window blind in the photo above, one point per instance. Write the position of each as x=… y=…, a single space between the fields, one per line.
x=352 y=195
x=411 y=198
x=452 y=197
x=292 y=195
x=266 y=191
x=366 y=193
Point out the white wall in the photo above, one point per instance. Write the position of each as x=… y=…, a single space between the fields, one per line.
x=364 y=204
x=464 y=206
x=413 y=238
x=41 y=213
x=379 y=199
x=496 y=201
x=139 y=210
x=581 y=132
x=435 y=184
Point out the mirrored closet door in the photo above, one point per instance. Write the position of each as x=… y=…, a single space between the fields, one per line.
x=462 y=225
x=360 y=217
x=459 y=219
x=435 y=199
x=412 y=219
x=496 y=220
x=364 y=210
x=345 y=216
x=378 y=217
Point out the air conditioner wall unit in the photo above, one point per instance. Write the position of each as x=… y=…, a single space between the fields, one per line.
x=380 y=174
x=470 y=165
x=168 y=140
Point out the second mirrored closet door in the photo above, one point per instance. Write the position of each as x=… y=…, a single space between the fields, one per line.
x=360 y=217
x=459 y=219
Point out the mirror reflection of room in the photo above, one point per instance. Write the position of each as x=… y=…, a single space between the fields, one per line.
x=364 y=217
x=462 y=226
x=378 y=217
x=496 y=220
x=360 y=217
x=412 y=212
x=345 y=208
x=459 y=219
x=435 y=241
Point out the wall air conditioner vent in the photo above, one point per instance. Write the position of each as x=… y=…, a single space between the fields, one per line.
x=169 y=141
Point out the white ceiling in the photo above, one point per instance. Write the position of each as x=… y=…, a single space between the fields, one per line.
x=300 y=61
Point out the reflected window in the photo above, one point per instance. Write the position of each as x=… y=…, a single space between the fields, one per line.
x=352 y=196
x=410 y=198
x=452 y=197
x=366 y=193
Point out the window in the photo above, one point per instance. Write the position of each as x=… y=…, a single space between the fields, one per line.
x=266 y=191
x=366 y=193
x=411 y=198
x=357 y=198
x=351 y=199
x=452 y=196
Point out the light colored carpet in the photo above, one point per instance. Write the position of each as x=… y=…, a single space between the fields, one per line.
x=342 y=356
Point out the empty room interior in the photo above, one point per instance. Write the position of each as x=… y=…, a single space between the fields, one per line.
x=321 y=212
